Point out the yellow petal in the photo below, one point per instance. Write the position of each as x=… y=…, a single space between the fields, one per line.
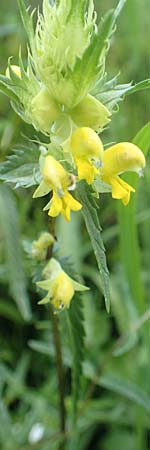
x=86 y=144
x=56 y=207
x=66 y=212
x=69 y=203
x=54 y=174
x=86 y=171
x=73 y=204
x=120 y=189
x=63 y=291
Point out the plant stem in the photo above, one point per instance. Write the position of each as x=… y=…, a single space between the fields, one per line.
x=60 y=372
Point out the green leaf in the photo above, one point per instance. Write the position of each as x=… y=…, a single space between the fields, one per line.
x=91 y=67
x=93 y=59
x=128 y=230
x=127 y=389
x=40 y=347
x=94 y=229
x=110 y=93
x=142 y=139
x=7 y=434
x=7 y=90
x=22 y=168
x=76 y=329
x=11 y=235
x=27 y=20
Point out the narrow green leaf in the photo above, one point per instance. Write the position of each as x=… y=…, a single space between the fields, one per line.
x=22 y=167
x=127 y=389
x=6 y=428
x=94 y=229
x=128 y=229
x=40 y=347
x=93 y=58
x=11 y=236
x=27 y=20
x=118 y=9
x=76 y=329
x=142 y=139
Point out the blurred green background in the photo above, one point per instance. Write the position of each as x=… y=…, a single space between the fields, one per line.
x=114 y=408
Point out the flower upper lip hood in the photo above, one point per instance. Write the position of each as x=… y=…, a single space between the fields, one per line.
x=85 y=143
x=122 y=157
x=87 y=151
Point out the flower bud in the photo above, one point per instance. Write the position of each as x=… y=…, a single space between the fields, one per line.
x=16 y=70
x=39 y=247
x=44 y=110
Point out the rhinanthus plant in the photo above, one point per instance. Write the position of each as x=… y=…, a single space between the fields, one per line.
x=64 y=93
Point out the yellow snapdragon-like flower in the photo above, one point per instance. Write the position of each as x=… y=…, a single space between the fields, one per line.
x=120 y=158
x=60 y=291
x=56 y=178
x=87 y=151
x=60 y=286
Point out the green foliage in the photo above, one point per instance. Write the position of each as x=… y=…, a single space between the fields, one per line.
x=94 y=229
x=127 y=389
x=110 y=93
x=11 y=236
x=128 y=230
x=22 y=167
x=75 y=315
x=109 y=354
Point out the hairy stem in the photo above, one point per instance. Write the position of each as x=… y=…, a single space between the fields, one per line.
x=60 y=372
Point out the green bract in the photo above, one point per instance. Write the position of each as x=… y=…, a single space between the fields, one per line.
x=66 y=60
x=69 y=49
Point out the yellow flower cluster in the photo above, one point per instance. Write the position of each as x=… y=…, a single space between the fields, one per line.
x=91 y=161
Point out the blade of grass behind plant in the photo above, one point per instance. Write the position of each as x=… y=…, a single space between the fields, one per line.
x=128 y=231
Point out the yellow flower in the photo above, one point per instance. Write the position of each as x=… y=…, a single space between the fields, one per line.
x=60 y=286
x=118 y=159
x=56 y=178
x=63 y=291
x=87 y=151
x=60 y=290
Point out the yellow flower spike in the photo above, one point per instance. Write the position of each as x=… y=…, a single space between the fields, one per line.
x=87 y=150
x=57 y=179
x=120 y=158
